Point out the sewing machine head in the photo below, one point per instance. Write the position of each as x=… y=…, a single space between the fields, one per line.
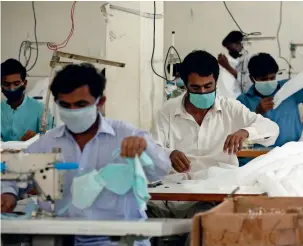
x=45 y=170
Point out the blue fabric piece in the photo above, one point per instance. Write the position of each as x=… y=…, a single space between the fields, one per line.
x=15 y=123
x=30 y=207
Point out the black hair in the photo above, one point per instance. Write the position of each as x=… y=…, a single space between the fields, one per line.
x=200 y=62
x=74 y=76
x=233 y=37
x=261 y=65
x=12 y=66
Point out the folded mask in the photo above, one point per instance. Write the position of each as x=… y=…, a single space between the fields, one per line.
x=118 y=178
x=30 y=207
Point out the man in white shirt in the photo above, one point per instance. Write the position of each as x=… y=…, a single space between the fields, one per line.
x=200 y=129
x=234 y=76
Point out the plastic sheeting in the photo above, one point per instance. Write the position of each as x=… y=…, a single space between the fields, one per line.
x=291 y=87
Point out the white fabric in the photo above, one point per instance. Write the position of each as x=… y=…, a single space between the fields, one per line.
x=230 y=86
x=291 y=87
x=18 y=145
x=279 y=172
x=41 y=89
x=175 y=129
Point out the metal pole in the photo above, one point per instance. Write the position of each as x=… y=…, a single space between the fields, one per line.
x=171 y=66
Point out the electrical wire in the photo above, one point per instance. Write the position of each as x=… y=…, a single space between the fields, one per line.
x=278 y=37
x=65 y=42
x=36 y=40
x=154 y=44
x=244 y=33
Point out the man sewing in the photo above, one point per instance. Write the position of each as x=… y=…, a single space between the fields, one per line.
x=20 y=114
x=263 y=70
x=200 y=129
x=90 y=140
x=234 y=63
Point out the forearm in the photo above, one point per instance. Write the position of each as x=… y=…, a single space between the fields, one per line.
x=263 y=131
x=232 y=71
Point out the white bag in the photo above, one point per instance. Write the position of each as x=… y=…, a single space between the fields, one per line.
x=291 y=87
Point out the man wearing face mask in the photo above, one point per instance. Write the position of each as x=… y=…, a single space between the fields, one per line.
x=89 y=139
x=200 y=129
x=20 y=114
x=263 y=70
x=235 y=63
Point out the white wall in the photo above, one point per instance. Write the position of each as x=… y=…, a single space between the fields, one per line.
x=203 y=25
x=53 y=24
x=133 y=93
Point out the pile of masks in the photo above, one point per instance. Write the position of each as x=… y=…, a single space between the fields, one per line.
x=279 y=173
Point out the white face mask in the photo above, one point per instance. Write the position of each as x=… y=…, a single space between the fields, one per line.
x=79 y=120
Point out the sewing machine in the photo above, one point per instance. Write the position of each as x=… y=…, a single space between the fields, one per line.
x=44 y=170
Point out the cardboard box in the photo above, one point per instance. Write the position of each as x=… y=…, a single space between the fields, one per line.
x=254 y=221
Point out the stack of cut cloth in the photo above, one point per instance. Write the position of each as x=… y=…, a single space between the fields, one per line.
x=279 y=173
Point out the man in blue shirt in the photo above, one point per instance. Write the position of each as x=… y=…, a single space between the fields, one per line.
x=90 y=140
x=263 y=70
x=20 y=114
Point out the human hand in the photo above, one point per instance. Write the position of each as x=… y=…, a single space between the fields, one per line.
x=132 y=146
x=223 y=61
x=8 y=202
x=234 y=142
x=28 y=135
x=266 y=104
x=179 y=161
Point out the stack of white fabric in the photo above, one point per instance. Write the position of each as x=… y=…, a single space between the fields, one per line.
x=279 y=172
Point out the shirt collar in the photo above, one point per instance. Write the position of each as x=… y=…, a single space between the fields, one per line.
x=181 y=109
x=25 y=99
x=104 y=127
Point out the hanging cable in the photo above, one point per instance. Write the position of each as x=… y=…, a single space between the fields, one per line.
x=36 y=40
x=154 y=44
x=244 y=33
x=65 y=42
x=278 y=38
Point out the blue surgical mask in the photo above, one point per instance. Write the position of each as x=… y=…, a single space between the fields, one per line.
x=202 y=100
x=79 y=120
x=266 y=88
x=179 y=82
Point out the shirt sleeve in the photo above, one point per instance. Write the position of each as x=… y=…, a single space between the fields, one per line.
x=160 y=131
x=161 y=160
x=9 y=187
x=261 y=130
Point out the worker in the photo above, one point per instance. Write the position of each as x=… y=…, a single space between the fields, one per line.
x=20 y=114
x=200 y=129
x=263 y=70
x=235 y=63
x=90 y=140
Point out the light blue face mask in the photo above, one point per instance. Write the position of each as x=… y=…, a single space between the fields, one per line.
x=202 y=101
x=179 y=82
x=266 y=88
x=118 y=178
x=79 y=120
